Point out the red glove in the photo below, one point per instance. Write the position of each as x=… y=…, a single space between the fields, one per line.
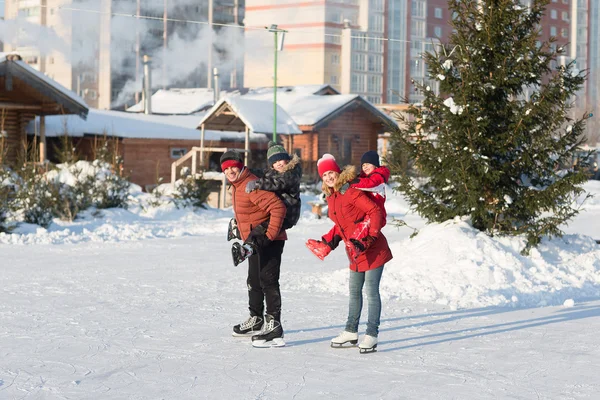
x=319 y=248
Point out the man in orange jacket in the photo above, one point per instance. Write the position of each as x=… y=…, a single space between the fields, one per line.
x=259 y=216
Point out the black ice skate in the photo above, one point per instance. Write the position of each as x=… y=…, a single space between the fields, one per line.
x=233 y=232
x=271 y=336
x=250 y=327
x=240 y=252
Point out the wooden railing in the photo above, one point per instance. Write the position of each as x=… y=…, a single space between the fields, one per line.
x=193 y=155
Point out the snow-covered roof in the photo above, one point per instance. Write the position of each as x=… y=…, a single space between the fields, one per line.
x=299 y=90
x=130 y=125
x=306 y=105
x=309 y=109
x=257 y=115
x=67 y=98
x=191 y=100
x=178 y=101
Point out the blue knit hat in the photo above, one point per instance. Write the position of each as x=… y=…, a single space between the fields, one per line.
x=276 y=153
x=370 y=157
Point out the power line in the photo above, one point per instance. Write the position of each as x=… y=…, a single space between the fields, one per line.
x=177 y=20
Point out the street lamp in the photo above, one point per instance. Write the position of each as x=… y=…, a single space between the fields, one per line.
x=278 y=47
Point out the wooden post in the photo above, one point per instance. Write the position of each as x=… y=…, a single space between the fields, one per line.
x=194 y=161
x=247 y=146
x=223 y=192
x=202 y=145
x=173 y=174
x=42 y=139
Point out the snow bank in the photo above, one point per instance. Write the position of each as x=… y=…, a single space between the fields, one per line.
x=456 y=265
x=450 y=264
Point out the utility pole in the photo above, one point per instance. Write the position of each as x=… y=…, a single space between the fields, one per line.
x=210 y=43
x=278 y=47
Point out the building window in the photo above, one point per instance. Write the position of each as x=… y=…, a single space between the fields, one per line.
x=359 y=43
x=357 y=83
x=178 y=152
x=437 y=31
x=417 y=28
x=437 y=12
x=374 y=84
x=334 y=80
x=91 y=94
x=564 y=32
x=334 y=16
x=335 y=59
x=377 y=5
x=552 y=31
x=376 y=23
x=29 y=12
x=31 y=59
x=565 y=16
x=376 y=44
x=358 y=62
x=553 y=14
x=346 y=148
x=418 y=8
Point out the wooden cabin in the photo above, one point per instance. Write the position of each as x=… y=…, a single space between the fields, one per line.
x=25 y=94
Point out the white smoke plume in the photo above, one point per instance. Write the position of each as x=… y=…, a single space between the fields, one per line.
x=183 y=62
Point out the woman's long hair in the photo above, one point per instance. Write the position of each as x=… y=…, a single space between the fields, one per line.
x=348 y=174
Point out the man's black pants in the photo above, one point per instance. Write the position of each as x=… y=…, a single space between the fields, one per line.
x=263 y=280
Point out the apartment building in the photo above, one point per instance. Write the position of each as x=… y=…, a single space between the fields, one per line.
x=335 y=42
x=95 y=47
x=593 y=83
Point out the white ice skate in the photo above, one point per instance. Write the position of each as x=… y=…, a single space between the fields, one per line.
x=345 y=339
x=368 y=344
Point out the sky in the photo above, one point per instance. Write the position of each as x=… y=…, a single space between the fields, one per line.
x=139 y=304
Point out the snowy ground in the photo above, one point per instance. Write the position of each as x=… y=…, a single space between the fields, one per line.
x=139 y=305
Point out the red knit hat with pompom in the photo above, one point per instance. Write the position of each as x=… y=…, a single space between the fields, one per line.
x=327 y=163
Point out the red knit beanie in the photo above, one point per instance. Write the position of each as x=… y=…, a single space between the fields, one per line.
x=231 y=158
x=327 y=163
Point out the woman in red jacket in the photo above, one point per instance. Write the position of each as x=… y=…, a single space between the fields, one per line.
x=358 y=222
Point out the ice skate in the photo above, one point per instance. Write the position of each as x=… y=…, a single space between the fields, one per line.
x=368 y=344
x=241 y=252
x=271 y=336
x=250 y=327
x=345 y=339
x=233 y=232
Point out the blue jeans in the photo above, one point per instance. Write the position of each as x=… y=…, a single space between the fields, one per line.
x=357 y=280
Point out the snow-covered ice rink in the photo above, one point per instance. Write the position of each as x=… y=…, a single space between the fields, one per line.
x=140 y=304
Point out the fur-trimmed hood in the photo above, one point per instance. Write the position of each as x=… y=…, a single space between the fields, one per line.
x=292 y=164
x=347 y=175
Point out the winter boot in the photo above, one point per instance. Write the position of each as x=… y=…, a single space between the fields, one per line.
x=271 y=336
x=368 y=344
x=241 y=252
x=343 y=338
x=251 y=326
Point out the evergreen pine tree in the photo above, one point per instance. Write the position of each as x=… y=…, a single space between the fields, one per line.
x=496 y=141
